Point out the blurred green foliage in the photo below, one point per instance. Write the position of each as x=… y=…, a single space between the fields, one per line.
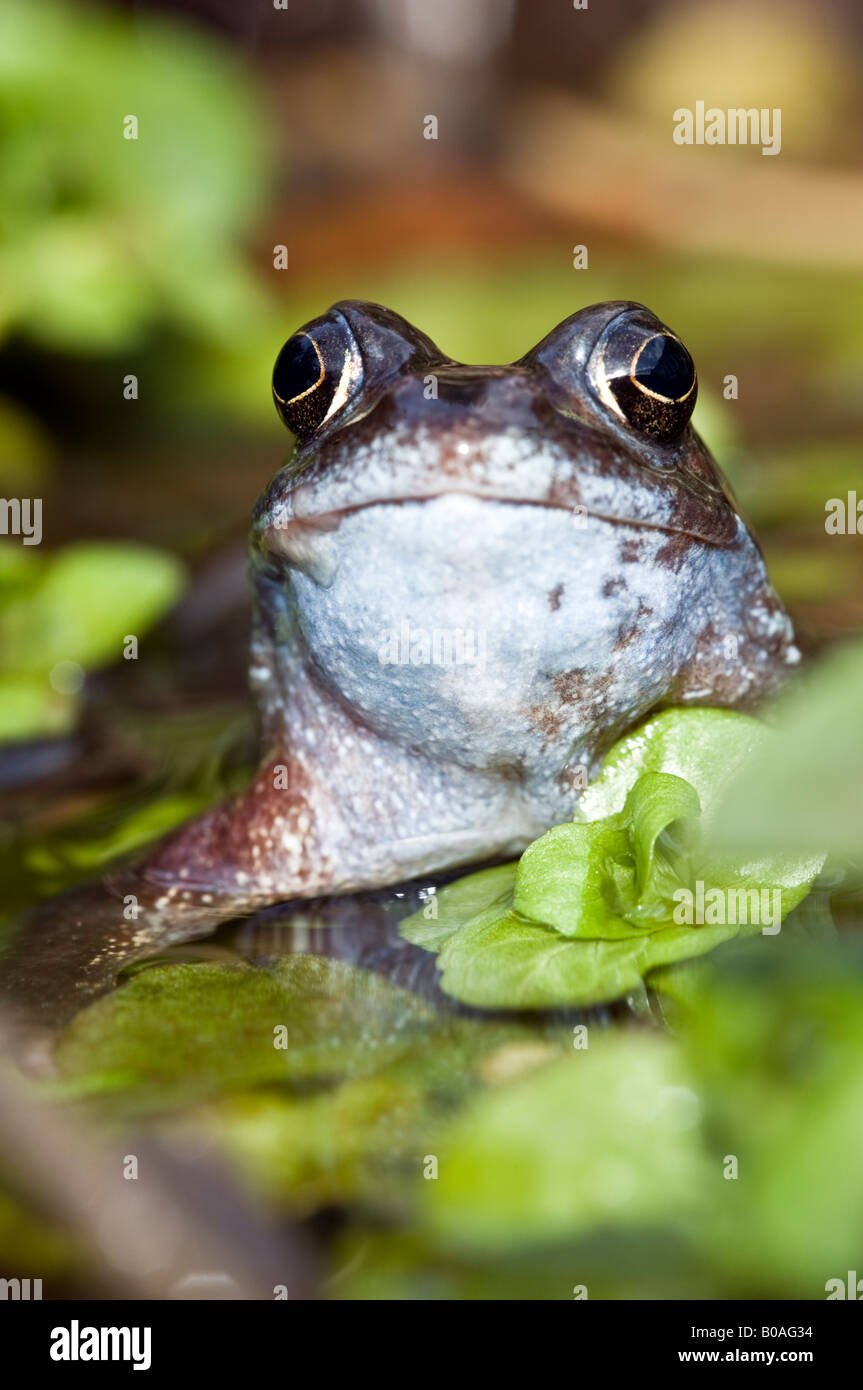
x=186 y=761
x=66 y=613
x=605 y=1137
x=518 y=1159
x=807 y=788
x=104 y=242
x=792 y=52
x=29 y=1242
x=101 y=237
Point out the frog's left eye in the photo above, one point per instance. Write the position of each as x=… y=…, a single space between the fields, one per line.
x=316 y=374
x=642 y=372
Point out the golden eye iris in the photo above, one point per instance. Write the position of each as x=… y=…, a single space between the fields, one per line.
x=645 y=375
x=663 y=368
x=299 y=369
x=316 y=374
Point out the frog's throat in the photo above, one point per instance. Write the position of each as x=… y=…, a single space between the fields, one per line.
x=346 y=810
x=290 y=835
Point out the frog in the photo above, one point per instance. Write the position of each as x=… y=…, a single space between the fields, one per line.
x=468 y=581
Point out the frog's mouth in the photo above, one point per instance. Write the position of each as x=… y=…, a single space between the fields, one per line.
x=307 y=543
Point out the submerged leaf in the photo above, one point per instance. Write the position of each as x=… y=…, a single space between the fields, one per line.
x=365 y=1139
x=183 y=1032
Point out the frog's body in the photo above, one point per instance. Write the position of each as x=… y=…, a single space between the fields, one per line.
x=468 y=581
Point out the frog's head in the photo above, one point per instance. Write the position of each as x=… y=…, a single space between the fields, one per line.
x=492 y=560
x=596 y=417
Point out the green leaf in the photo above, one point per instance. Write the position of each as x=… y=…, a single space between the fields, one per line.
x=460 y=902
x=85 y=599
x=608 y=879
x=508 y=962
x=597 y=904
x=658 y=804
x=706 y=748
x=29 y=708
x=64 y=614
x=60 y=857
x=701 y=746
x=562 y=880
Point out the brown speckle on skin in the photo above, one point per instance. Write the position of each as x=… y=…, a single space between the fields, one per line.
x=546 y=720
x=227 y=843
x=554 y=597
x=576 y=694
x=630 y=551
x=570 y=687
x=712 y=676
x=674 y=552
x=632 y=631
x=577 y=687
x=613 y=586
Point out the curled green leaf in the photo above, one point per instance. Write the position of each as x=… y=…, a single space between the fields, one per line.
x=661 y=812
x=507 y=962
x=562 y=880
x=634 y=883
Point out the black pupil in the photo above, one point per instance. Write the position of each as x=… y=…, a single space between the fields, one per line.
x=665 y=367
x=297 y=368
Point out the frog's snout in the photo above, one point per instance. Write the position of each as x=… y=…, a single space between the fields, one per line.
x=453 y=397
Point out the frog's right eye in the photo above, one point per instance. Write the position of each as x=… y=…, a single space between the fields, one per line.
x=316 y=373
